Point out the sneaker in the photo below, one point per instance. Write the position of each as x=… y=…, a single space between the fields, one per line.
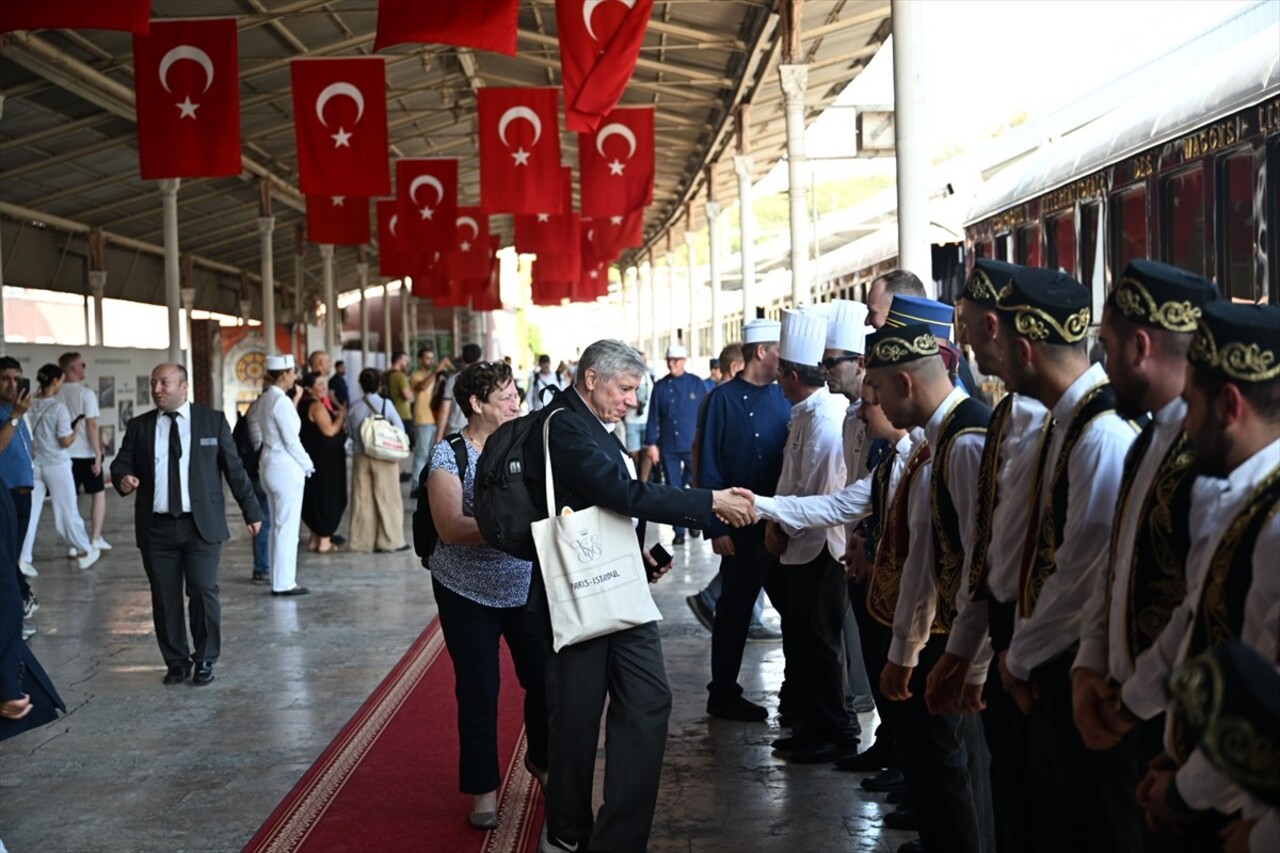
x=89 y=559
x=30 y=606
x=261 y=577
x=102 y=544
x=28 y=569
x=551 y=844
x=27 y=633
x=763 y=634
x=74 y=553
x=736 y=708
x=705 y=614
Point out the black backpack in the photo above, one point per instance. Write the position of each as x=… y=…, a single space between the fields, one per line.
x=504 y=505
x=248 y=456
x=425 y=535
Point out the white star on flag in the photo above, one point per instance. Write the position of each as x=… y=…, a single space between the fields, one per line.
x=188 y=109
x=465 y=246
x=341 y=139
x=593 y=273
x=615 y=220
x=426 y=212
x=616 y=167
x=339 y=200
x=521 y=156
x=544 y=217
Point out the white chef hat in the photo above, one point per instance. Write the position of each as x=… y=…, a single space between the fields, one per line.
x=846 y=326
x=804 y=336
x=280 y=362
x=761 y=331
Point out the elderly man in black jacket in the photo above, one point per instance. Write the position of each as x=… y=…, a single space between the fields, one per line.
x=591 y=468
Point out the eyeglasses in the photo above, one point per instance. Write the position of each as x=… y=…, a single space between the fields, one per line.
x=830 y=362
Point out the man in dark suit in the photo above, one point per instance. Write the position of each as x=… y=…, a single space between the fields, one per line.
x=591 y=468
x=176 y=464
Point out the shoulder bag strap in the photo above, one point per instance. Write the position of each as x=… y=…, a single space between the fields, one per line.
x=546 y=455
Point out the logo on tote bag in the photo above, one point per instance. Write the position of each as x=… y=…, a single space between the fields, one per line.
x=588 y=547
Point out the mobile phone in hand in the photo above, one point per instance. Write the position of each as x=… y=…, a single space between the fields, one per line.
x=660 y=555
x=24 y=385
x=77 y=420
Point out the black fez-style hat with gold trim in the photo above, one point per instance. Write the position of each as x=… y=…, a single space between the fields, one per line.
x=1227 y=701
x=987 y=279
x=1045 y=306
x=1161 y=296
x=1242 y=342
x=890 y=347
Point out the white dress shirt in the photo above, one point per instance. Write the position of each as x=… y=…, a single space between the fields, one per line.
x=1019 y=453
x=160 y=502
x=918 y=594
x=1214 y=503
x=813 y=464
x=1098 y=624
x=274 y=416
x=1095 y=469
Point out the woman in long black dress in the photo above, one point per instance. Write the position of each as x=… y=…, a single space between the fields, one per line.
x=324 y=498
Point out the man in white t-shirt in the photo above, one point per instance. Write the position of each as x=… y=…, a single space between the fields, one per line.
x=86 y=452
x=540 y=380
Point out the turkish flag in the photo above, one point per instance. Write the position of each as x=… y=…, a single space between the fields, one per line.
x=593 y=280
x=468 y=256
x=486 y=295
x=482 y=24
x=340 y=220
x=520 y=150
x=563 y=259
x=426 y=280
x=427 y=199
x=610 y=235
x=616 y=163
x=533 y=231
x=188 y=90
x=547 y=291
x=392 y=263
x=599 y=45
x=340 y=117
x=131 y=16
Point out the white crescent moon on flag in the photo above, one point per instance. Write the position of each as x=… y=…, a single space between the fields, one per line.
x=391 y=224
x=475 y=226
x=515 y=113
x=431 y=181
x=619 y=130
x=186 y=51
x=589 y=8
x=333 y=90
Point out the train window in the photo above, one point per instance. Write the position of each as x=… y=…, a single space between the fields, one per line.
x=1061 y=233
x=1089 y=237
x=1002 y=248
x=1241 y=232
x=1027 y=251
x=1184 y=222
x=1130 y=212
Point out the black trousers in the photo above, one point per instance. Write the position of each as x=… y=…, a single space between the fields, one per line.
x=176 y=555
x=1006 y=731
x=935 y=750
x=627 y=667
x=875 y=640
x=22 y=506
x=471 y=633
x=817 y=598
x=741 y=578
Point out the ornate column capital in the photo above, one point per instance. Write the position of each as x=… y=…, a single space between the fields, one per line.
x=795 y=80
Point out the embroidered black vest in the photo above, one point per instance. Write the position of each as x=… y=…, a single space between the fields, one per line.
x=1157 y=567
x=1043 y=560
x=967 y=416
x=894 y=540
x=988 y=475
x=1219 y=615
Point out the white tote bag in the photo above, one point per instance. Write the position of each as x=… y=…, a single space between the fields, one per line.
x=594 y=573
x=383 y=439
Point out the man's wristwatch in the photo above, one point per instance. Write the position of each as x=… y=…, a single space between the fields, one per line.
x=15 y=422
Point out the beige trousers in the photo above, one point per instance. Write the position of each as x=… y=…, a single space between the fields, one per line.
x=377 y=510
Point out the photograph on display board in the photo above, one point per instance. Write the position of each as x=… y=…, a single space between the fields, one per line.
x=106 y=392
x=144 y=391
x=126 y=413
x=107 y=434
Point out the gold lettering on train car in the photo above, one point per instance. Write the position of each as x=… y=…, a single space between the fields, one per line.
x=1006 y=221
x=1144 y=166
x=1208 y=140
x=1081 y=190
x=1269 y=116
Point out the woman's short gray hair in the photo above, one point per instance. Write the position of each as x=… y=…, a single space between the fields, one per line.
x=609 y=358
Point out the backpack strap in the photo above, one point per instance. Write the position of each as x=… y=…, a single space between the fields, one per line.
x=459 y=445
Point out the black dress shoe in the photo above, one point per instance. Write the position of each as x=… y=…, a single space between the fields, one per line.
x=338 y=539
x=792 y=743
x=884 y=781
x=706 y=616
x=736 y=708
x=297 y=590
x=904 y=819
x=203 y=674
x=873 y=760
x=819 y=753
x=178 y=674
x=899 y=797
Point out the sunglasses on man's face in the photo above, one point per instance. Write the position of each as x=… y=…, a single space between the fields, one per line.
x=830 y=362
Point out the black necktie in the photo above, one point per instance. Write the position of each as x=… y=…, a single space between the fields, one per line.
x=175 y=459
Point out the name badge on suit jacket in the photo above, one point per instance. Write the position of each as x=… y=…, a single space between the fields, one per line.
x=209 y=442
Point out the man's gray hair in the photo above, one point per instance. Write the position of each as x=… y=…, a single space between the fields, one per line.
x=609 y=358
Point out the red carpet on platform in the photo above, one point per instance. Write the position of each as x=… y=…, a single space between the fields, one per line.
x=389 y=780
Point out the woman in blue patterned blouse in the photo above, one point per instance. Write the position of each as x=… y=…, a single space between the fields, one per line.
x=481 y=593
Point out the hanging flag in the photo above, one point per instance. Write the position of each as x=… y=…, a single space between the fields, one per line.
x=519 y=150
x=392 y=263
x=532 y=235
x=131 y=16
x=593 y=280
x=340 y=117
x=427 y=200
x=486 y=295
x=612 y=234
x=599 y=45
x=547 y=291
x=562 y=261
x=616 y=163
x=468 y=257
x=188 y=93
x=482 y=24
x=340 y=220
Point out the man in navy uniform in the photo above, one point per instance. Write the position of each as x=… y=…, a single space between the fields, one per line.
x=673 y=420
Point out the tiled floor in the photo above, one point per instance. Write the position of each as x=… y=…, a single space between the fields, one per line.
x=136 y=766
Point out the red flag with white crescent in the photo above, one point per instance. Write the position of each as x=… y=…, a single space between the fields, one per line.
x=599 y=44
x=486 y=295
x=187 y=82
x=546 y=290
x=468 y=257
x=520 y=150
x=563 y=260
x=616 y=163
x=131 y=16
x=593 y=280
x=392 y=263
x=427 y=199
x=537 y=233
x=340 y=220
x=612 y=234
x=340 y=118
x=482 y=24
